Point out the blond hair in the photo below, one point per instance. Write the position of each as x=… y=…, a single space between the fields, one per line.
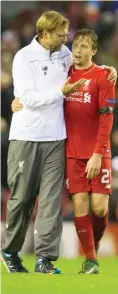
x=49 y=21
x=87 y=33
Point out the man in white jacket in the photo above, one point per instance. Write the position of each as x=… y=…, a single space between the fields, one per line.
x=36 y=152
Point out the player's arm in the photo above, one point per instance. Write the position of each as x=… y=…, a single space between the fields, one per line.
x=106 y=98
x=66 y=89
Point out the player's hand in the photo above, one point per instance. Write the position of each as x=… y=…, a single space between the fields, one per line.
x=93 y=166
x=70 y=88
x=16 y=105
x=112 y=77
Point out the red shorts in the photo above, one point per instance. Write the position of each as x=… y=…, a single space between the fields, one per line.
x=77 y=182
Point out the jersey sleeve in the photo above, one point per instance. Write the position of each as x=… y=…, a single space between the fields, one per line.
x=106 y=91
x=106 y=103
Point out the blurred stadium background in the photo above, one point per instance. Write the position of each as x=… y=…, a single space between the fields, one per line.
x=18 y=29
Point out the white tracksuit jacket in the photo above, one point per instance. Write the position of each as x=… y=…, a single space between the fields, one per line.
x=38 y=77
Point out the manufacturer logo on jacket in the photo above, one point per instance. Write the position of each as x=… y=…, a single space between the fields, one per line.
x=45 y=69
x=21 y=166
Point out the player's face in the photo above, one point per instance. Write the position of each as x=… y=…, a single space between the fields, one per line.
x=82 y=51
x=56 y=39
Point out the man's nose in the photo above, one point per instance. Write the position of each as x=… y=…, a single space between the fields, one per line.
x=64 y=39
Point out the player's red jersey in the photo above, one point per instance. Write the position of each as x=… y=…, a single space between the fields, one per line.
x=87 y=131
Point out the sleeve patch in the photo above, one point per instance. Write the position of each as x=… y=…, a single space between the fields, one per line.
x=111 y=101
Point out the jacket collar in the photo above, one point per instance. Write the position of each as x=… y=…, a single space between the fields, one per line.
x=36 y=45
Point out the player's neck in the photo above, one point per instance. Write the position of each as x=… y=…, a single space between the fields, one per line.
x=85 y=66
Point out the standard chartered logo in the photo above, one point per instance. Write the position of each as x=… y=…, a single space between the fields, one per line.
x=87 y=98
x=74 y=99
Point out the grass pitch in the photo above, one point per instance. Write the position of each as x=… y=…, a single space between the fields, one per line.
x=66 y=283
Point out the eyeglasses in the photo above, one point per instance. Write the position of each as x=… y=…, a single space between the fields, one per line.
x=62 y=35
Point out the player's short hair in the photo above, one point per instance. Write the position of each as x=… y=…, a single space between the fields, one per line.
x=50 y=21
x=87 y=33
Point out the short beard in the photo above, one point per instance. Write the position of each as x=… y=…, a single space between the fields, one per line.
x=56 y=48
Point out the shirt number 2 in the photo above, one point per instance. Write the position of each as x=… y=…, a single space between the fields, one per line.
x=105 y=176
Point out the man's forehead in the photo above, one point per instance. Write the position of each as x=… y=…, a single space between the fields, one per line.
x=82 y=40
x=62 y=30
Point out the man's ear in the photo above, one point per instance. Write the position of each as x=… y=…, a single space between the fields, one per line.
x=44 y=33
x=94 y=52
